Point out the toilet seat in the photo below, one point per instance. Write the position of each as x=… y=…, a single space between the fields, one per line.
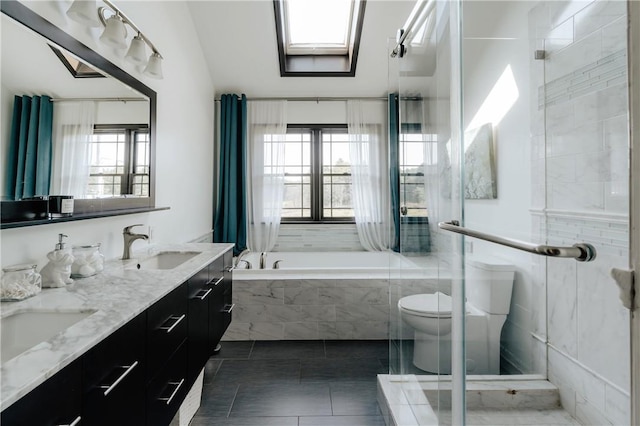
x=437 y=305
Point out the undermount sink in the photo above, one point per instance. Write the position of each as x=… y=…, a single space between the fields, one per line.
x=165 y=260
x=24 y=330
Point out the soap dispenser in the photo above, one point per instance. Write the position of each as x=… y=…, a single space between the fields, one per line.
x=57 y=273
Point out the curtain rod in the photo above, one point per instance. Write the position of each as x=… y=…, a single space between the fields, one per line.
x=99 y=99
x=328 y=99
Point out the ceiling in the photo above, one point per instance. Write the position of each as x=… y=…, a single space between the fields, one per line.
x=238 y=39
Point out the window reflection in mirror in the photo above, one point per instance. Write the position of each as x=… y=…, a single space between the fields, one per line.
x=121 y=107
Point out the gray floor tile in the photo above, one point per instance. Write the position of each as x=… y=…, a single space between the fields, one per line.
x=288 y=349
x=282 y=400
x=217 y=400
x=357 y=348
x=211 y=368
x=342 y=369
x=341 y=421
x=348 y=399
x=235 y=350
x=266 y=371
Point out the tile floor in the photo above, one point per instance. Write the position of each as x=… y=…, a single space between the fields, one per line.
x=296 y=383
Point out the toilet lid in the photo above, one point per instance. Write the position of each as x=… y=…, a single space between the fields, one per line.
x=437 y=305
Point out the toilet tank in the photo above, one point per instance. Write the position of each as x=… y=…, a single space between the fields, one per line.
x=489 y=283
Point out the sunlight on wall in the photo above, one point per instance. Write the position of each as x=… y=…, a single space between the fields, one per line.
x=497 y=103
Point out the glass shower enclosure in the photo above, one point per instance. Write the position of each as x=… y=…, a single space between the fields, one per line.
x=512 y=122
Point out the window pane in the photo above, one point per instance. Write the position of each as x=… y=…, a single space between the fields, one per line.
x=318 y=22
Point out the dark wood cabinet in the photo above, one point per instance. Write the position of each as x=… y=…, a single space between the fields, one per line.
x=168 y=389
x=220 y=305
x=198 y=334
x=115 y=377
x=58 y=401
x=166 y=328
x=142 y=372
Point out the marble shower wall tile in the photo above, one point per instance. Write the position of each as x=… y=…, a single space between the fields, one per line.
x=583 y=98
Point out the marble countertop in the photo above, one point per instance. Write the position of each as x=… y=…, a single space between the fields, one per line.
x=117 y=295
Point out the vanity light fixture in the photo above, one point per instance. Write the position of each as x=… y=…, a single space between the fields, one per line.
x=115 y=33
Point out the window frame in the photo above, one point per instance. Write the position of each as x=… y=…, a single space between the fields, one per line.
x=130 y=131
x=305 y=62
x=316 y=176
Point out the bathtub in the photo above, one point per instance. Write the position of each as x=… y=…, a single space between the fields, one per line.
x=325 y=295
x=317 y=264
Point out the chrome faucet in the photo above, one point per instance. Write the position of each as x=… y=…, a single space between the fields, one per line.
x=246 y=262
x=263 y=260
x=129 y=238
x=239 y=257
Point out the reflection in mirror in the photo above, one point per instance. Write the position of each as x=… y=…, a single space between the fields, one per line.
x=97 y=139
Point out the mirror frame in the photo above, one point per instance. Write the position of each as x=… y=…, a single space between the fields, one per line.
x=98 y=207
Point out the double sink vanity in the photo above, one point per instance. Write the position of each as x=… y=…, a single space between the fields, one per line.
x=121 y=347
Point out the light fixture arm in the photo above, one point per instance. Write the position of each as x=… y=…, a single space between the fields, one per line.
x=114 y=9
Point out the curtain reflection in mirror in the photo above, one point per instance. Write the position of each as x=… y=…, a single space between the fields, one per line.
x=28 y=167
x=73 y=124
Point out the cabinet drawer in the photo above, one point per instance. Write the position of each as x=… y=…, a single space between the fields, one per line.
x=166 y=328
x=198 y=334
x=168 y=389
x=57 y=401
x=114 y=377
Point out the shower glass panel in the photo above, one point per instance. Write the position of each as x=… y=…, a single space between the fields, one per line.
x=546 y=160
x=421 y=169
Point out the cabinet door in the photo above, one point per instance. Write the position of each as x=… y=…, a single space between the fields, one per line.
x=221 y=304
x=57 y=401
x=198 y=334
x=168 y=389
x=166 y=328
x=114 y=377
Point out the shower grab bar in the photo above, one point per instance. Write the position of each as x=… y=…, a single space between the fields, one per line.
x=582 y=252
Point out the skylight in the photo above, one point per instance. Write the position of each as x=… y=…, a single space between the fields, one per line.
x=318 y=37
x=318 y=26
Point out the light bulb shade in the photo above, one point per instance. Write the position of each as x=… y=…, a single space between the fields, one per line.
x=154 y=66
x=114 y=33
x=137 y=54
x=84 y=12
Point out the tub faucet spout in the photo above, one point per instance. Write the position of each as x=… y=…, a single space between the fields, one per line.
x=242 y=253
x=263 y=260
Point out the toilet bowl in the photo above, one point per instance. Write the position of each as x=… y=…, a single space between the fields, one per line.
x=489 y=283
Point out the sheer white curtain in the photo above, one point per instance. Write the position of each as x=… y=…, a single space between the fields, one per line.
x=266 y=133
x=72 y=129
x=368 y=147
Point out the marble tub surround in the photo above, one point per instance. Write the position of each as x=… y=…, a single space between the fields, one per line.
x=117 y=295
x=315 y=308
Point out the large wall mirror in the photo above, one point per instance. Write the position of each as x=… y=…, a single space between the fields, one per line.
x=102 y=133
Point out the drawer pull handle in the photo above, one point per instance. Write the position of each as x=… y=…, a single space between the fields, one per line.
x=175 y=391
x=203 y=296
x=76 y=422
x=217 y=281
x=177 y=320
x=111 y=387
x=228 y=308
x=229 y=269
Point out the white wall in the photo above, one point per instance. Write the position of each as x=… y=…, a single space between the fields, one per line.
x=184 y=150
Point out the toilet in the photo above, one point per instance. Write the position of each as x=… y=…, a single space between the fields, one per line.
x=489 y=283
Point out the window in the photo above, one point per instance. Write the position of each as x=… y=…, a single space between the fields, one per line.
x=119 y=161
x=318 y=37
x=317 y=175
x=417 y=151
